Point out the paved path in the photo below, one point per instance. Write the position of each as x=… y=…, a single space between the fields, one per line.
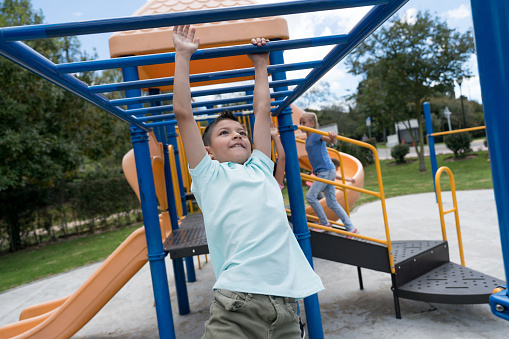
x=385 y=153
x=346 y=311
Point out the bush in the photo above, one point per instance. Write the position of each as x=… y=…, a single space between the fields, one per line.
x=459 y=143
x=31 y=215
x=399 y=152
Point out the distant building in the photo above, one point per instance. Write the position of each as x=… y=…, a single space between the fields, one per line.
x=403 y=132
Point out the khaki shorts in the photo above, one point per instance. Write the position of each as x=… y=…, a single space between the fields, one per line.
x=245 y=315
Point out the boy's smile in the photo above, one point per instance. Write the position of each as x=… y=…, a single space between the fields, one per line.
x=229 y=142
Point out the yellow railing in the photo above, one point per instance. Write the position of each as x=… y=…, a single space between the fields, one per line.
x=454 y=209
x=458 y=131
x=380 y=194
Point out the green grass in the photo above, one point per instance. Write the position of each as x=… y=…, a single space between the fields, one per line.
x=469 y=174
x=39 y=262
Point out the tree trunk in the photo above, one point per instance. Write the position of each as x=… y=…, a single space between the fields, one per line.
x=422 y=165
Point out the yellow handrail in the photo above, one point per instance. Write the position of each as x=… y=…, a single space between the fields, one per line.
x=454 y=209
x=458 y=131
x=379 y=194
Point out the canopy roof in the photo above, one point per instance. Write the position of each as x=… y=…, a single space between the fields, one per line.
x=223 y=33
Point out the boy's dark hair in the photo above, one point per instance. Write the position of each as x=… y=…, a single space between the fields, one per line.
x=222 y=116
x=335 y=162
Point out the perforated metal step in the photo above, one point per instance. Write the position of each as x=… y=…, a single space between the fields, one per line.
x=452 y=284
x=189 y=239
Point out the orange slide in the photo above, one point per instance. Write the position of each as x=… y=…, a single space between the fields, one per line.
x=64 y=317
x=352 y=166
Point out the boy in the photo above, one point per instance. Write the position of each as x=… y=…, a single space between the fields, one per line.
x=259 y=266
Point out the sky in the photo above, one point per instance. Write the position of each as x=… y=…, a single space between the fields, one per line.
x=456 y=13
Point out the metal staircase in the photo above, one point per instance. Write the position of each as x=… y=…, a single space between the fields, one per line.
x=422 y=268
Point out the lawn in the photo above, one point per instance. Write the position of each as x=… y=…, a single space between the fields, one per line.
x=39 y=262
x=470 y=173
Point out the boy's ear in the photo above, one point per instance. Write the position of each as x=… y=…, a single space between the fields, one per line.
x=209 y=152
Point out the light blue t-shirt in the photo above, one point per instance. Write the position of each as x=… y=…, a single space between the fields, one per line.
x=252 y=247
x=317 y=154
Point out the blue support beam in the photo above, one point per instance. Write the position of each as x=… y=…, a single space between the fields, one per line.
x=26 y=57
x=238 y=73
x=207 y=53
x=205 y=111
x=491 y=25
x=156 y=252
x=295 y=193
x=131 y=74
x=178 y=18
x=208 y=103
x=202 y=93
x=431 y=142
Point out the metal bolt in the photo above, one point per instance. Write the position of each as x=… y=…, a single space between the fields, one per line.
x=499 y=308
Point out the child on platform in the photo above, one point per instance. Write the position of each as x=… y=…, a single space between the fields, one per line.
x=325 y=169
x=259 y=266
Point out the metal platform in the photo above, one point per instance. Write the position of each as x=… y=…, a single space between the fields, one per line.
x=451 y=283
x=423 y=270
x=189 y=239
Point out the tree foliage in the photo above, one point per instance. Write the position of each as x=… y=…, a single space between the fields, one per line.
x=405 y=63
x=46 y=133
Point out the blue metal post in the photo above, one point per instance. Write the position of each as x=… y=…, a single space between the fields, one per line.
x=150 y=212
x=431 y=142
x=171 y=133
x=178 y=265
x=156 y=253
x=492 y=45
x=295 y=193
x=172 y=207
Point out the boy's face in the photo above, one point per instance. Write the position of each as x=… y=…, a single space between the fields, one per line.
x=229 y=142
x=307 y=122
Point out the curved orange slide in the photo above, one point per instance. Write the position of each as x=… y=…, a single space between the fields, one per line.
x=64 y=317
x=352 y=166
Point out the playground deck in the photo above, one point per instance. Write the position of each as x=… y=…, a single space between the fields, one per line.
x=346 y=311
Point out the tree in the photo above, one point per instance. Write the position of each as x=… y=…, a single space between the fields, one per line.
x=406 y=63
x=46 y=133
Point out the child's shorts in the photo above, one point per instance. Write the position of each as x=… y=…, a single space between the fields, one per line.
x=246 y=315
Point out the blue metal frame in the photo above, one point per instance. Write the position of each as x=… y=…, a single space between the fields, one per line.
x=295 y=193
x=431 y=142
x=491 y=25
x=490 y=22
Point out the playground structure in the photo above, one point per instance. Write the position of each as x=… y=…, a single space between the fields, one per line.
x=18 y=52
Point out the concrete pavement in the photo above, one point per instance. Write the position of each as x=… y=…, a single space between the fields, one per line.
x=346 y=311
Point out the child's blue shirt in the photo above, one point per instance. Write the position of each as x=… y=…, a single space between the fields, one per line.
x=252 y=247
x=317 y=154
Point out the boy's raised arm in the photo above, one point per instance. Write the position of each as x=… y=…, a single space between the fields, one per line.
x=185 y=46
x=261 y=100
